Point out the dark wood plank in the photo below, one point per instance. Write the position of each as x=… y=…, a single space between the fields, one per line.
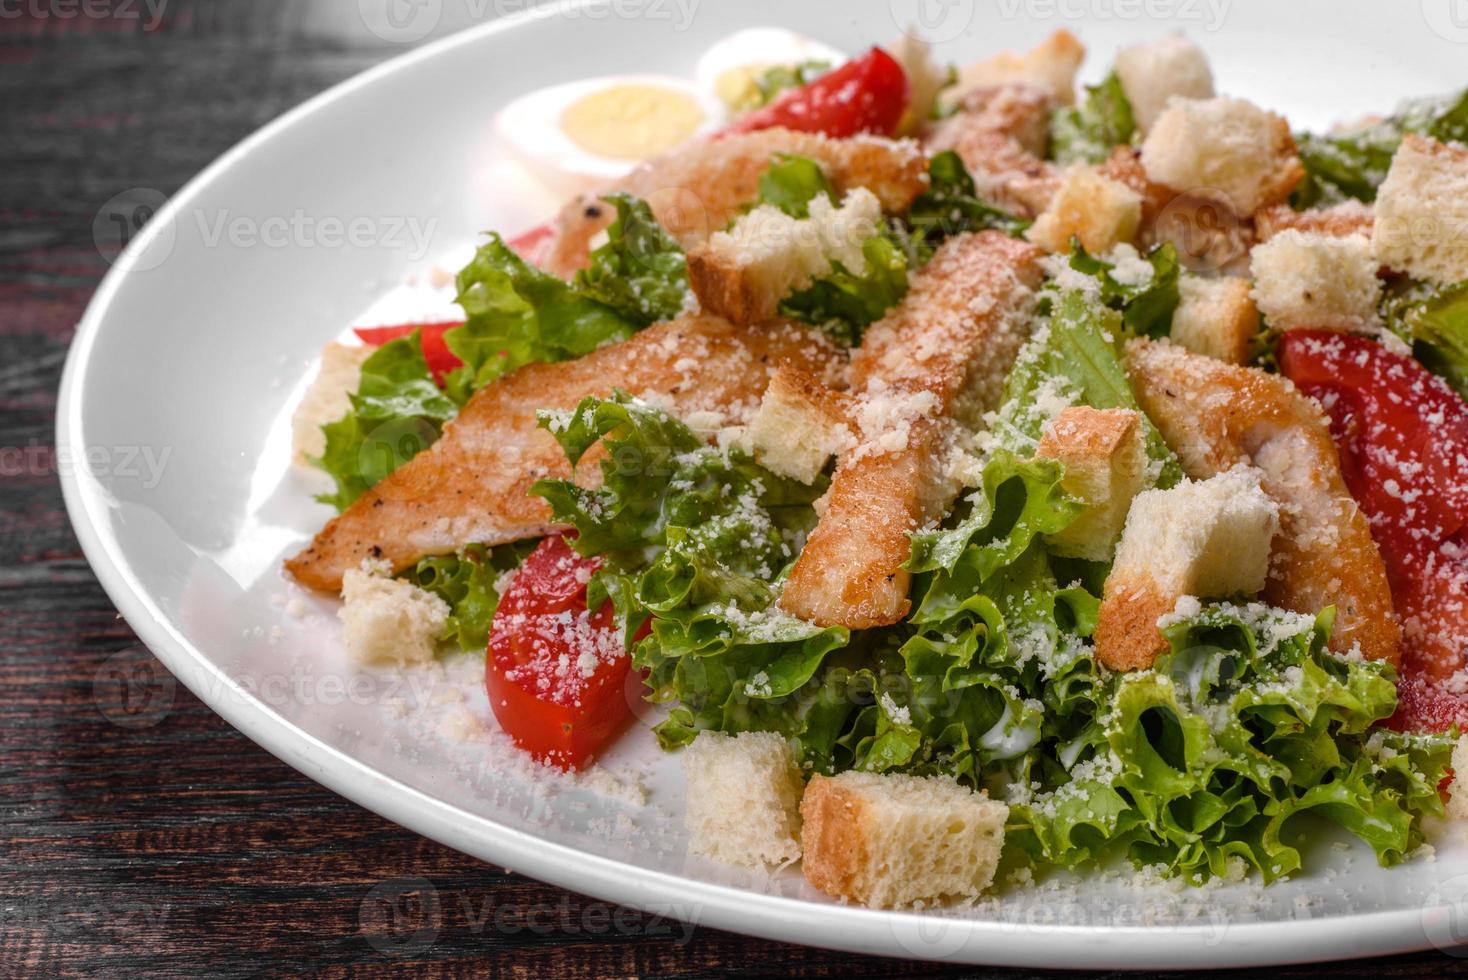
x=139 y=834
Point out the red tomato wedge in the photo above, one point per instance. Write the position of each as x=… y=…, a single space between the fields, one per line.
x=557 y=673
x=440 y=359
x=1402 y=434
x=866 y=95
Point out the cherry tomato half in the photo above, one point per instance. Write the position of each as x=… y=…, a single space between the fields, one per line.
x=436 y=352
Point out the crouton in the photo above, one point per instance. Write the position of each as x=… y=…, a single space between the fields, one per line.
x=1105 y=458
x=1209 y=539
x=1101 y=212
x=1050 y=66
x=327 y=399
x=743 y=799
x=1154 y=72
x=389 y=621
x=1458 y=790
x=743 y=273
x=1342 y=220
x=1224 y=145
x=1216 y=416
x=800 y=425
x=888 y=840
x=1306 y=279
x=1216 y=317
x=1422 y=212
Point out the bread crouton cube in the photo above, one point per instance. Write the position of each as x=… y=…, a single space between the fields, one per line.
x=1105 y=459
x=1306 y=279
x=1229 y=146
x=1050 y=66
x=1154 y=72
x=389 y=621
x=799 y=426
x=327 y=399
x=1216 y=317
x=743 y=799
x=888 y=840
x=1101 y=212
x=1422 y=212
x=1209 y=538
x=743 y=273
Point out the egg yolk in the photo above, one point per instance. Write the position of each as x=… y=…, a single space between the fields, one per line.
x=631 y=122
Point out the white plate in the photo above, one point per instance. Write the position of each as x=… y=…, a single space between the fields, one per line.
x=194 y=349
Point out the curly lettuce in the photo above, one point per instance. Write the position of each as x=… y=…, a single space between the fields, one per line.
x=1087 y=132
x=1434 y=320
x=1146 y=304
x=951 y=205
x=469 y=582
x=397 y=412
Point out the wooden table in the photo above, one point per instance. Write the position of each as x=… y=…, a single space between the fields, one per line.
x=179 y=847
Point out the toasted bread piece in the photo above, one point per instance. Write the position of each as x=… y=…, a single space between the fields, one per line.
x=1341 y=220
x=1222 y=145
x=800 y=425
x=1050 y=66
x=472 y=485
x=742 y=274
x=389 y=621
x=1209 y=539
x=1155 y=72
x=890 y=840
x=1105 y=459
x=1101 y=212
x=1000 y=134
x=327 y=399
x=1307 y=279
x=935 y=363
x=743 y=799
x=1422 y=211
x=699 y=188
x=1216 y=317
x=1216 y=416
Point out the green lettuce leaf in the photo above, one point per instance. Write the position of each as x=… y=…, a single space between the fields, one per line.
x=951 y=204
x=845 y=304
x=641 y=271
x=1353 y=165
x=466 y=581
x=1075 y=358
x=517 y=315
x=792 y=182
x=1087 y=132
x=1434 y=320
x=777 y=79
x=397 y=412
x=1147 y=306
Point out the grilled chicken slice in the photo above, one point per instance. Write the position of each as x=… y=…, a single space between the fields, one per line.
x=1215 y=416
x=1000 y=134
x=472 y=485
x=923 y=375
x=698 y=189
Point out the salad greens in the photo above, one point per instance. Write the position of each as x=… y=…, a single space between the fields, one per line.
x=773 y=81
x=951 y=205
x=1087 y=132
x=397 y=412
x=1353 y=165
x=1147 y=306
x=467 y=582
x=1435 y=322
x=515 y=315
